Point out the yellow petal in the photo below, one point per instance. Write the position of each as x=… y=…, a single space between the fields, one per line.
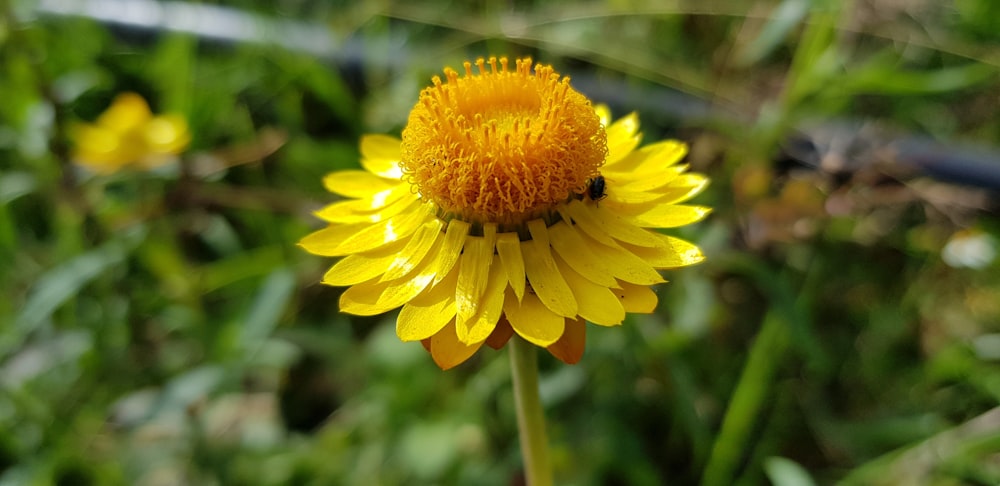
x=435 y=267
x=451 y=247
x=673 y=253
x=622 y=138
x=669 y=216
x=326 y=242
x=622 y=230
x=447 y=351
x=684 y=187
x=380 y=155
x=604 y=113
x=403 y=290
x=544 y=276
x=99 y=148
x=166 y=134
x=532 y=320
x=623 y=198
x=378 y=234
x=362 y=299
x=490 y=307
x=442 y=286
x=356 y=183
x=576 y=252
x=427 y=314
x=598 y=304
x=361 y=267
x=599 y=223
x=623 y=195
x=679 y=168
x=622 y=167
x=415 y=323
x=627 y=266
x=415 y=250
x=126 y=112
x=375 y=297
x=509 y=249
x=569 y=348
x=637 y=298
x=132 y=147
x=649 y=161
x=586 y=222
x=474 y=270
x=635 y=184
x=380 y=206
x=626 y=202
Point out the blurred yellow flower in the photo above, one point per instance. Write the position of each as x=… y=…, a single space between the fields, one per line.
x=127 y=134
x=511 y=205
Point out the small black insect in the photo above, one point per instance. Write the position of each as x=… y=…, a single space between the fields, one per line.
x=596 y=188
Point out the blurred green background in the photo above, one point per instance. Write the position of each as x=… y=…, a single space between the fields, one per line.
x=162 y=328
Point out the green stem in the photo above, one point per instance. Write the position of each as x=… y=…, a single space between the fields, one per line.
x=530 y=418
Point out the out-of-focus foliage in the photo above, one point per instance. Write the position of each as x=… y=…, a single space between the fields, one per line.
x=160 y=327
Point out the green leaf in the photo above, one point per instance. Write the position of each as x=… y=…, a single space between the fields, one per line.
x=878 y=78
x=786 y=17
x=13 y=185
x=247 y=264
x=785 y=472
x=749 y=398
x=61 y=283
x=16 y=184
x=269 y=304
x=172 y=67
x=189 y=387
x=45 y=356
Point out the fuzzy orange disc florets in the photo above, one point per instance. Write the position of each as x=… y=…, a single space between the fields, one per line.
x=501 y=146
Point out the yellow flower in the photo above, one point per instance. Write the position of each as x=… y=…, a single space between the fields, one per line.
x=511 y=205
x=128 y=134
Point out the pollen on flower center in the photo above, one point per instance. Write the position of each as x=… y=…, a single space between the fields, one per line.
x=501 y=145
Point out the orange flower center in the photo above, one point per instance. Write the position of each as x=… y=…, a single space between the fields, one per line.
x=502 y=146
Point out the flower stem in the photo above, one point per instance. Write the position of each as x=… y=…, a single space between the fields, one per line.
x=530 y=418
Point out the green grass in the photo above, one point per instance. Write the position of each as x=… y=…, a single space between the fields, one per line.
x=163 y=326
